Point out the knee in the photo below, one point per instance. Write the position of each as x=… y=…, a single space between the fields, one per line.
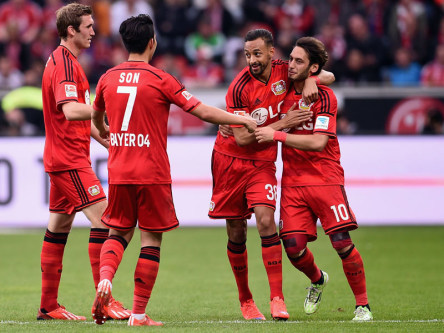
x=266 y=224
x=237 y=230
x=295 y=245
x=341 y=242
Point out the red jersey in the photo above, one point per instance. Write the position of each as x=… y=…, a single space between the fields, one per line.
x=67 y=142
x=260 y=100
x=137 y=98
x=302 y=168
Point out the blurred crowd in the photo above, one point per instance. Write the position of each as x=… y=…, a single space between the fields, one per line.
x=396 y=42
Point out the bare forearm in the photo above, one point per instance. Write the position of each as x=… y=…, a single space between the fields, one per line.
x=326 y=78
x=77 y=111
x=314 y=142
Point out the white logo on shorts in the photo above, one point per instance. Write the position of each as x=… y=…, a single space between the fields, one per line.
x=211 y=206
x=94 y=190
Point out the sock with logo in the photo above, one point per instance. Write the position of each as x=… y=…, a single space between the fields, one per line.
x=111 y=256
x=51 y=259
x=305 y=263
x=145 y=277
x=238 y=257
x=97 y=237
x=354 y=271
x=272 y=258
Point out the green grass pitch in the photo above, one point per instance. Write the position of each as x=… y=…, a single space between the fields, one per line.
x=195 y=288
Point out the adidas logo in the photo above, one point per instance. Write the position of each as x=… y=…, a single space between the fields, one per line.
x=258 y=101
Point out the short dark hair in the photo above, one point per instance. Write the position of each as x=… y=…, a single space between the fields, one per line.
x=266 y=35
x=317 y=54
x=70 y=15
x=136 y=32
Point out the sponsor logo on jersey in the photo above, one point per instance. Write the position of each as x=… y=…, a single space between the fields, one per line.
x=322 y=122
x=187 y=95
x=303 y=106
x=260 y=115
x=94 y=190
x=70 y=90
x=212 y=206
x=278 y=88
x=239 y=112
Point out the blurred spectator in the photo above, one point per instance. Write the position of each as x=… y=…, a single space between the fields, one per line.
x=356 y=72
x=122 y=9
x=20 y=22
x=204 y=73
x=10 y=77
x=433 y=73
x=377 y=13
x=433 y=123
x=405 y=71
x=300 y=15
x=215 y=13
x=23 y=106
x=372 y=47
x=344 y=125
x=263 y=11
x=102 y=17
x=408 y=28
x=176 y=65
x=172 y=26
x=336 y=12
x=213 y=41
x=332 y=35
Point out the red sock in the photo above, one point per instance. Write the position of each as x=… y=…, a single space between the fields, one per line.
x=306 y=265
x=111 y=256
x=238 y=257
x=51 y=265
x=97 y=237
x=145 y=277
x=272 y=258
x=354 y=271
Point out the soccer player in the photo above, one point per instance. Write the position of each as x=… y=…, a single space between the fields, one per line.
x=74 y=186
x=313 y=183
x=136 y=97
x=244 y=173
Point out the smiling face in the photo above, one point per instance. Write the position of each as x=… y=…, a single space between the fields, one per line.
x=259 y=55
x=82 y=38
x=299 y=67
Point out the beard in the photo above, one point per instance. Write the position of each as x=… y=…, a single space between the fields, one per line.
x=301 y=76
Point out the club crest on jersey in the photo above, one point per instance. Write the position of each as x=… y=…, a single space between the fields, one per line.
x=70 y=90
x=212 y=206
x=303 y=106
x=187 y=95
x=278 y=88
x=94 y=190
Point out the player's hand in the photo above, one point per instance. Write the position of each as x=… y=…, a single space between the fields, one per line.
x=225 y=131
x=310 y=91
x=250 y=123
x=264 y=134
x=295 y=118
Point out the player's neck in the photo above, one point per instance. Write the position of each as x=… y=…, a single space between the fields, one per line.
x=298 y=86
x=71 y=47
x=138 y=57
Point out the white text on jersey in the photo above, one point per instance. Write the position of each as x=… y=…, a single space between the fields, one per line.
x=129 y=140
x=129 y=77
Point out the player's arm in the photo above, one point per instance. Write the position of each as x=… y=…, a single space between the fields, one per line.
x=99 y=129
x=77 y=111
x=293 y=118
x=311 y=142
x=215 y=115
x=310 y=91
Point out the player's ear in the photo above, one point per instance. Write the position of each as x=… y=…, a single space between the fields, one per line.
x=71 y=31
x=314 y=68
